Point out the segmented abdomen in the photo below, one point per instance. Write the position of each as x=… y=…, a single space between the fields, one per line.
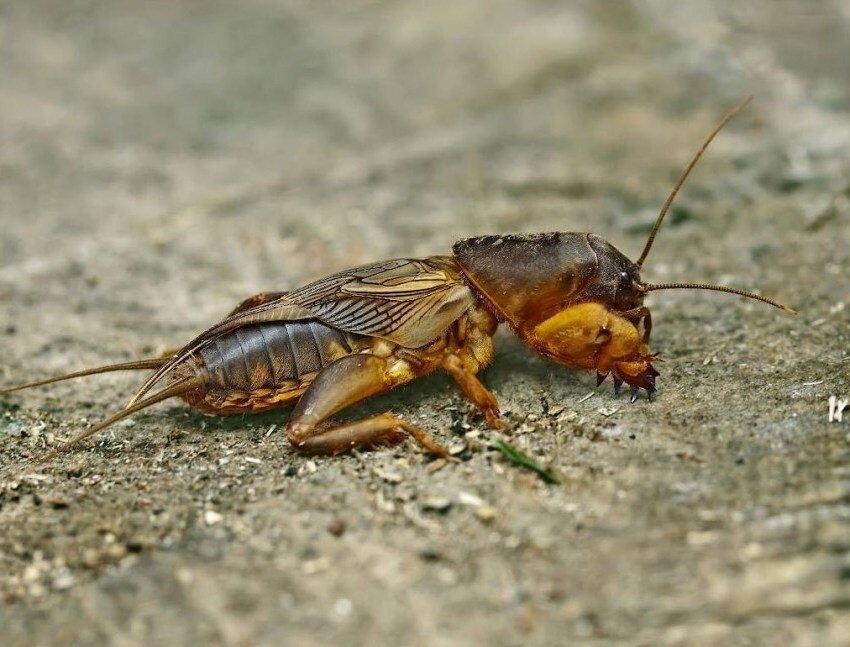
x=271 y=354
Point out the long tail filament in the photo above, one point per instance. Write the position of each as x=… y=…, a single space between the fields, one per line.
x=178 y=388
x=127 y=366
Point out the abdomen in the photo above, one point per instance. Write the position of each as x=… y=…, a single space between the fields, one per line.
x=267 y=365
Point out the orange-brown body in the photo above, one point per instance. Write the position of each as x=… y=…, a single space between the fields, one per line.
x=469 y=338
x=251 y=362
x=572 y=297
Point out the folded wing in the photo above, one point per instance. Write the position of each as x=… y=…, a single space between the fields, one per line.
x=407 y=301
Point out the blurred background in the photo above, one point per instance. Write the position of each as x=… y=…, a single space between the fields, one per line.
x=160 y=161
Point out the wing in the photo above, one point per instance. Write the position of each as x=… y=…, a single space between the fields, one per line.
x=410 y=302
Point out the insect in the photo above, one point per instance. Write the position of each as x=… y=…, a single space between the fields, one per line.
x=572 y=297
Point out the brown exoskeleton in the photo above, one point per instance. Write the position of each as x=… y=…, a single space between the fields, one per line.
x=572 y=297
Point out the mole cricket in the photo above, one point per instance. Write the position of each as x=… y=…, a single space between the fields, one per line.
x=571 y=297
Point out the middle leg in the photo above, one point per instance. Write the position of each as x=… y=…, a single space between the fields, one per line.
x=472 y=388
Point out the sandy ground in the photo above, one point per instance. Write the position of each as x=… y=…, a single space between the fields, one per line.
x=160 y=161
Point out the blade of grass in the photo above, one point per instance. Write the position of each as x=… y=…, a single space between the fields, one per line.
x=523 y=460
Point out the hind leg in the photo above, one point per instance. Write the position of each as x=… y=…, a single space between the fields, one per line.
x=343 y=383
x=381 y=429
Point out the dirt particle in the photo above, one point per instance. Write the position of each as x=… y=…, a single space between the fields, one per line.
x=438 y=504
x=486 y=513
x=430 y=554
x=337 y=527
x=388 y=476
x=212 y=518
x=58 y=503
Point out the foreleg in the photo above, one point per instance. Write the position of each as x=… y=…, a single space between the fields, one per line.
x=641 y=316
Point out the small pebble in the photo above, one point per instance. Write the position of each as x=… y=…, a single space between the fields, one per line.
x=63 y=580
x=437 y=504
x=91 y=558
x=337 y=527
x=466 y=498
x=58 y=503
x=314 y=566
x=437 y=465
x=457 y=448
x=343 y=608
x=309 y=467
x=211 y=517
x=486 y=513
x=389 y=477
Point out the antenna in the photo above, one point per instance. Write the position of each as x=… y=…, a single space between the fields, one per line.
x=684 y=176
x=719 y=288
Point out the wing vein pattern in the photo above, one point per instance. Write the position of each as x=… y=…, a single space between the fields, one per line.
x=410 y=302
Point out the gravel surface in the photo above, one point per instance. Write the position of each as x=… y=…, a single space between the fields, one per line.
x=161 y=161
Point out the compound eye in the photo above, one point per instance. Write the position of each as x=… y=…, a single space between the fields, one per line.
x=624 y=291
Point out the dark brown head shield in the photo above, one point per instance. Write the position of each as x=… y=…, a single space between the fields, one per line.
x=529 y=277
